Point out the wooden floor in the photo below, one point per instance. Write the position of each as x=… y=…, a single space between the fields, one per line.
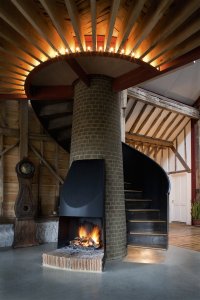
x=184 y=236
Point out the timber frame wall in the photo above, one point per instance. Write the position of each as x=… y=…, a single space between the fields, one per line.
x=21 y=135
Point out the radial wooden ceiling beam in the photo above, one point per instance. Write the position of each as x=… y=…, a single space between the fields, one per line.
x=179 y=36
x=29 y=10
x=54 y=13
x=74 y=16
x=18 y=41
x=152 y=17
x=74 y=65
x=186 y=47
x=13 y=17
x=132 y=137
x=163 y=102
x=134 y=12
x=111 y=22
x=93 y=7
x=14 y=51
x=175 y=17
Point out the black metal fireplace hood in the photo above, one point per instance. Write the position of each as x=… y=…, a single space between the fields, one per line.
x=83 y=191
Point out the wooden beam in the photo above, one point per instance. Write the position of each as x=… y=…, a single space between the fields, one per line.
x=179 y=172
x=138 y=118
x=179 y=157
x=93 y=7
x=133 y=13
x=63 y=30
x=159 y=127
x=6 y=150
x=163 y=102
x=154 y=122
x=175 y=127
x=23 y=127
x=131 y=110
x=75 y=20
x=134 y=77
x=50 y=168
x=178 y=51
x=146 y=119
x=194 y=155
x=180 y=35
x=9 y=132
x=13 y=37
x=12 y=16
x=111 y=22
x=181 y=60
x=197 y=103
x=141 y=138
x=51 y=92
x=168 y=126
x=74 y=65
x=175 y=17
x=30 y=11
x=12 y=97
x=154 y=14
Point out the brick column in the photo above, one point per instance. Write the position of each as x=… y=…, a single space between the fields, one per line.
x=96 y=135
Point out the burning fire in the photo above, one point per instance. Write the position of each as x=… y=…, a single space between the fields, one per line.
x=87 y=238
x=94 y=235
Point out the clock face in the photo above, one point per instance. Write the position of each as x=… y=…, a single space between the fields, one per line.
x=25 y=168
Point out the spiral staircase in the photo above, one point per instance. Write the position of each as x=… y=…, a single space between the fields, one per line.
x=146 y=184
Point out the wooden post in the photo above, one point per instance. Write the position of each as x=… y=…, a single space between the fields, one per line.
x=23 y=126
x=1 y=176
x=194 y=147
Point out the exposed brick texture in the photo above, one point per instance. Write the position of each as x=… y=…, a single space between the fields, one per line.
x=96 y=135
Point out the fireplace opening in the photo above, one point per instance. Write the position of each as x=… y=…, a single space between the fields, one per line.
x=81 y=233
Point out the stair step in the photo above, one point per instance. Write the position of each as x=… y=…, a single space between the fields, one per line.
x=142 y=214
x=133 y=194
x=147 y=226
x=148 y=233
x=147 y=239
x=138 y=203
x=154 y=247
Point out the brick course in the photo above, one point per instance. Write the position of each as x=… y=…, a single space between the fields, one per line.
x=96 y=135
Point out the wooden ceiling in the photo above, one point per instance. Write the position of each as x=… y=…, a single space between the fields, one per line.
x=155 y=121
x=155 y=35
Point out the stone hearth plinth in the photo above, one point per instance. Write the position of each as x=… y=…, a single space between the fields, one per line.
x=74 y=259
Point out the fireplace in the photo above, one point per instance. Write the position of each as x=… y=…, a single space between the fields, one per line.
x=82 y=201
x=81 y=234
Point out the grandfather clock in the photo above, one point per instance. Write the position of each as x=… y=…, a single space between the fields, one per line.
x=25 y=209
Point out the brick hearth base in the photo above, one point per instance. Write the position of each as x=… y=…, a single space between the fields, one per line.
x=75 y=260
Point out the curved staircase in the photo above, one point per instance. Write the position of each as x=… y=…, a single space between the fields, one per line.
x=146 y=183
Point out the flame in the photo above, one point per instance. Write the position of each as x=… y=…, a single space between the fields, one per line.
x=94 y=235
x=82 y=232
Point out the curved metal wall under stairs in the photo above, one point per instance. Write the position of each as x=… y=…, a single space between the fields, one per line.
x=146 y=184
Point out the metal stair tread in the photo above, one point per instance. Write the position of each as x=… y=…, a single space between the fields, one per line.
x=142 y=209
x=141 y=200
x=148 y=233
x=146 y=221
x=132 y=191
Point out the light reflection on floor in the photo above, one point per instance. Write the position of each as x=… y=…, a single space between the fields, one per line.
x=145 y=255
